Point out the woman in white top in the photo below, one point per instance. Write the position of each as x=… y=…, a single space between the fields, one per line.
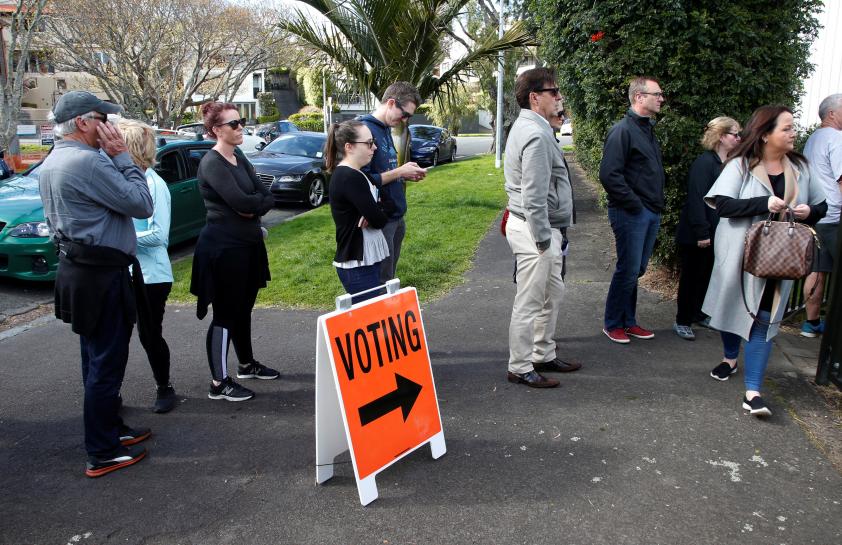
x=153 y=236
x=360 y=244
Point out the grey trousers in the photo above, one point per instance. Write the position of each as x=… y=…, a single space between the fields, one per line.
x=394 y=232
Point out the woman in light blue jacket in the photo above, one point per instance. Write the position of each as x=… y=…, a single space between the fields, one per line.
x=152 y=240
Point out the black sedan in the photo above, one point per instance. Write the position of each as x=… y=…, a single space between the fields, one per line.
x=292 y=168
x=431 y=145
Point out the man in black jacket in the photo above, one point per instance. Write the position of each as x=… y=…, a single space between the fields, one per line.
x=632 y=174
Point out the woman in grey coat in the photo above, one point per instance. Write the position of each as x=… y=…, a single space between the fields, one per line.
x=763 y=175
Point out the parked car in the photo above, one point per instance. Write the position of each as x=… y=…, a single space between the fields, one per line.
x=431 y=145
x=251 y=143
x=566 y=128
x=292 y=168
x=270 y=131
x=27 y=252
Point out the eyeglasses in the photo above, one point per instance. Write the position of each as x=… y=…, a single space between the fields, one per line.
x=369 y=143
x=734 y=134
x=234 y=123
x=102 y=119
x=656 y=95
x=554 y=90
x=404 y=113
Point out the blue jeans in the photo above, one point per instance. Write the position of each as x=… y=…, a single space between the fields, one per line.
x=756 y=353
x=360 y=279
x=634 y=235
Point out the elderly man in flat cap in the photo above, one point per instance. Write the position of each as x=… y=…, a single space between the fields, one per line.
x=90 y=199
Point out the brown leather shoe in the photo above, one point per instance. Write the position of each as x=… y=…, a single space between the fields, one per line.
x=533 y=379
x=557 y=366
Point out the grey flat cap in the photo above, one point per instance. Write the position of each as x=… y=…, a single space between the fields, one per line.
x=77 y=103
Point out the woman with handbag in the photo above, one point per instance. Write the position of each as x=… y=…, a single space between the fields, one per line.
x=763 y=176
x=697 y=224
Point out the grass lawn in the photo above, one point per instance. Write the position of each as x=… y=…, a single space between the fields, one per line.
x=449 y=212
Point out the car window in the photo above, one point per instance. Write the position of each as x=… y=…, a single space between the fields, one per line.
x=287 y=126
x=424 y=133
x=304 y=145
x=194 y=157
x=170 y=167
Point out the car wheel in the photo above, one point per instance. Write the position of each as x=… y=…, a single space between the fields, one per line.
x=435 y=161
x=316 y=193
x=452 y=154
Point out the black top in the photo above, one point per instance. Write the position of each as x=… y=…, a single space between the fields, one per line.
x=698 y=221
x=229 y=190
x=350 y=200
x=632 y=171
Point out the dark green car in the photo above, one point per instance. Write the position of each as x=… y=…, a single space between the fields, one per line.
x=26 y=251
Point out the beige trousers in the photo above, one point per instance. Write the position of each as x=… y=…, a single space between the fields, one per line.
x=540 y=291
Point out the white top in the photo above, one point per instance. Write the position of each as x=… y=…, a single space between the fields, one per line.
x=824 y=152
x=375 y=248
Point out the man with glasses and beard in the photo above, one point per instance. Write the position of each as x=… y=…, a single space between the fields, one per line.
x=632 y=173
x=540 y=210
x=89 y=201
x=398 y=104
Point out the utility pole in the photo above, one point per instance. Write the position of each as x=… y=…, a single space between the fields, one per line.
x=498 y=158
x=324 y=99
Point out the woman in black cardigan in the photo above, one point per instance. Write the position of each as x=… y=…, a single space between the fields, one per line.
x=360 y=244
x=697 y=224
x=230 y=263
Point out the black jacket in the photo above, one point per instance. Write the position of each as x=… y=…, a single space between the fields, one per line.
x=350 y=200
x=698 y=221
x=632 y=171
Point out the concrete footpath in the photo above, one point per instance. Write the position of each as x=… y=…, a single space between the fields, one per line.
x=639 y=447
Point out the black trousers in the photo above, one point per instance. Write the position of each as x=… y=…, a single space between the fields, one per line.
x=696 y=266
x=104 y=355
x=153 y=341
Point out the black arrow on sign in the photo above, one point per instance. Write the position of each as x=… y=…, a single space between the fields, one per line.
x=403 y=396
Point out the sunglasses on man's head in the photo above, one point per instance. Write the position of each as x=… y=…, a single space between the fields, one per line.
x=234 y=123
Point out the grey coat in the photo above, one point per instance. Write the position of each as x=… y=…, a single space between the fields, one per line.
x=724 y=302
x=537 y=180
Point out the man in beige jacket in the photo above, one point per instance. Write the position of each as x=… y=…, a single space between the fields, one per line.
x=540 y=210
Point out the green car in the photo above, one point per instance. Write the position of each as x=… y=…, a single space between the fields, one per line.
x=27 y=252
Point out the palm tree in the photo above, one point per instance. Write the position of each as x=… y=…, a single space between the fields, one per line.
x=378 y=42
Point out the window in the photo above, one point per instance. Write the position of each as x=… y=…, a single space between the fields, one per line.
x=194 y=157
x=169 y=167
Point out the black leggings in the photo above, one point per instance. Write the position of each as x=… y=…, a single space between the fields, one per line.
x=231 y=322
x=153 y=342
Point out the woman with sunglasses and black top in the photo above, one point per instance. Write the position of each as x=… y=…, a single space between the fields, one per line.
x=230 y=263
x=360 y=243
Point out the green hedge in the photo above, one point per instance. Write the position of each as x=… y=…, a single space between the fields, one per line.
x=268 y=118
x=712 y=57
x=311 y=121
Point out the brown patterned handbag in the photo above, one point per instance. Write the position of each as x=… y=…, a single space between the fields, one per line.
x=782 y=250
x=779 y=250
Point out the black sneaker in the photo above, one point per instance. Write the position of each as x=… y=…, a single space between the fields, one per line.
x=230 y=390
x=723 y=371
x=756 y=407
x=126 y=456
x=255 y=369
x=131 y=436
x=165 y=399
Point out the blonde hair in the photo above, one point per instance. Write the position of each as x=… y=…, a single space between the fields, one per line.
x=714 y=130
x=140 y=139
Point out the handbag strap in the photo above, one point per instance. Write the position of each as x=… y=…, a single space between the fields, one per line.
x=753 y=315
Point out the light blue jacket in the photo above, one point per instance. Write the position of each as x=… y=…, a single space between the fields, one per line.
x=153 y=234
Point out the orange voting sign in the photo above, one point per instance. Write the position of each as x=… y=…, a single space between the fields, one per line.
x=383 y=383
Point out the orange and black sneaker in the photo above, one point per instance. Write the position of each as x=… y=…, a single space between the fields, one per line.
x=132 y=436
x=126 y=456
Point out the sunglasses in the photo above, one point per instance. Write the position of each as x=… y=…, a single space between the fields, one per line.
x=404 y=113
x=234 y=123
x=554 y=90
x=369 y=143
x=102 y=119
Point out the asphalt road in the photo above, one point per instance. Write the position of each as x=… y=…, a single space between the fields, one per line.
x=640 y=447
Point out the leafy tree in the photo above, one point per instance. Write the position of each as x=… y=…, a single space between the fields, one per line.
x=267 y=104
x=23 y=27
x=449 y=114
x=712 y=57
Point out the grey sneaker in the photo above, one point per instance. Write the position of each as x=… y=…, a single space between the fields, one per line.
x=230 y=390
x=684 y=331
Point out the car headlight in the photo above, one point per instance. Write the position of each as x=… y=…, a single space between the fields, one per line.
x=32 y=229
x=427 y=149
x=290 y=178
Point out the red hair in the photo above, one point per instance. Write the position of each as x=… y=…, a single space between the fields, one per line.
x=212 y=113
